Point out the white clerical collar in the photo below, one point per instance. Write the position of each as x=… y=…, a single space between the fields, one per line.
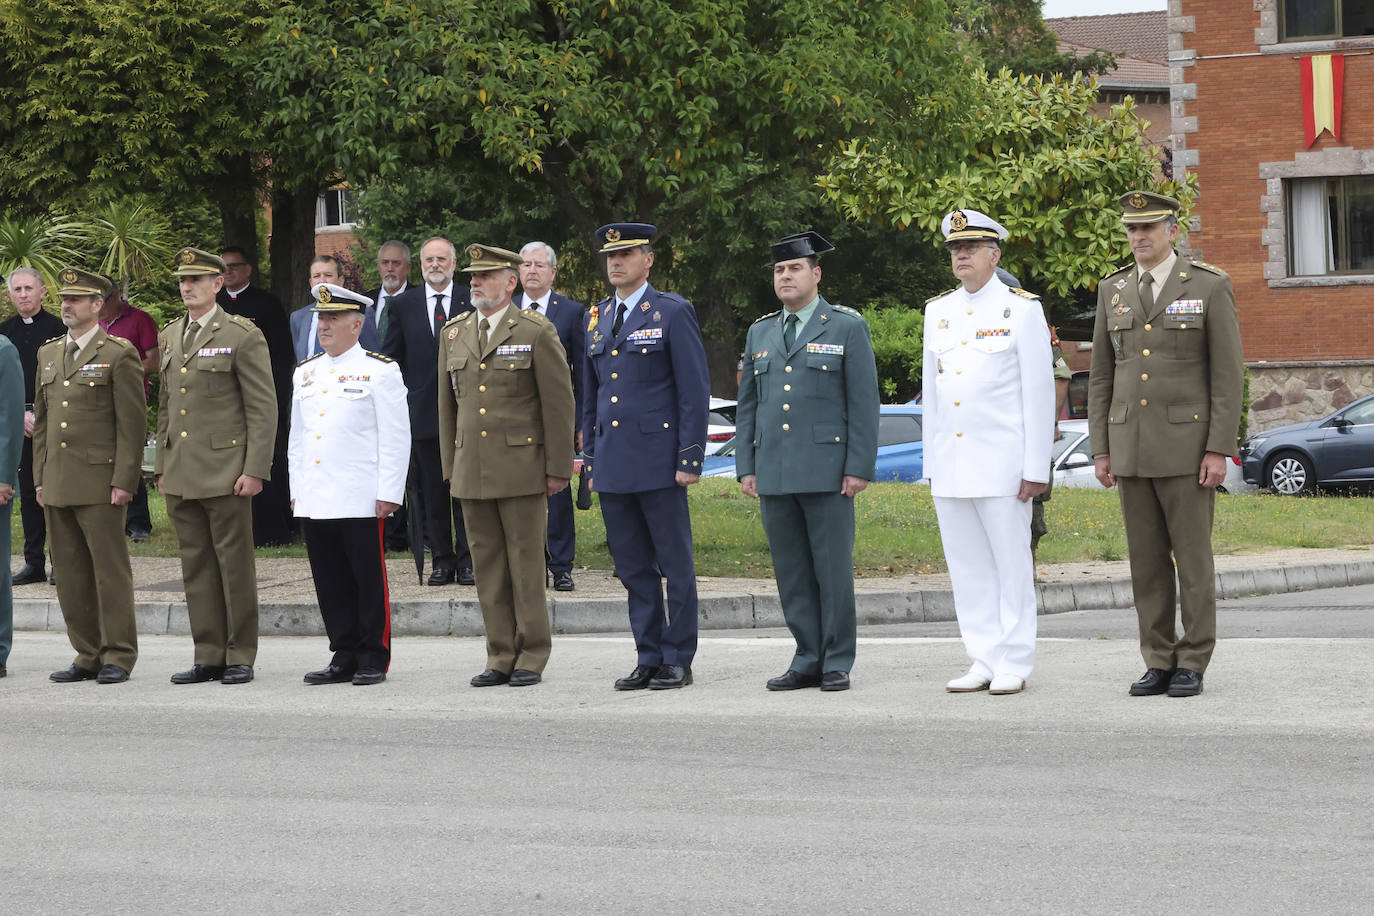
x=235 y=293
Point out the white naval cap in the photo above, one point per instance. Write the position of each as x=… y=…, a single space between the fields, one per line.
x=970 y=224
x=332 y=298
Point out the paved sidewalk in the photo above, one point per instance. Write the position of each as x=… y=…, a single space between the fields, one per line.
x=598 y=605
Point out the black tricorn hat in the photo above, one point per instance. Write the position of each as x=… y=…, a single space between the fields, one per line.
x=802 y=245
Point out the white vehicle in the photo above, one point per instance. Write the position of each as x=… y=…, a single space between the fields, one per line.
x=1074 y=466
x=720 y=424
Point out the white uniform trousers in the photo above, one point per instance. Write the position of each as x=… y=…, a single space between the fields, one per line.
x=987 y=547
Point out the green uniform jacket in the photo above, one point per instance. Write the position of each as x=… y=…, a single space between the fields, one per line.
x=506 y=413
x=89 y=424
x=217 y=408
x=1166 y=382
x=808 y=417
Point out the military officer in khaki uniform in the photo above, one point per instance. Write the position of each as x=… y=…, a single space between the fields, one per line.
x=89 y=423
x=216 y=427
x=1163 y=412
x=505 y=435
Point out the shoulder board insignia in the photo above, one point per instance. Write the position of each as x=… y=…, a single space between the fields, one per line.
x=1120 y=270
x=55 y=339
x=1210 y=268
x=769 y=315
x=940 y=295
x=531 y=315
x=604 y=302
x=241 y=321
x=846 y=309
x=309 y=358
x=1024 y=294
x=378 y=356
x=118 y=341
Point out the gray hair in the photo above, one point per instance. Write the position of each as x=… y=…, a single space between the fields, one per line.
x=553 y=255
x=394 y=243
x=33 y=272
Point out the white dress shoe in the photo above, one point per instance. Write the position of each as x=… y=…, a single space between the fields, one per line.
x=969 y=683
x=1004 y=684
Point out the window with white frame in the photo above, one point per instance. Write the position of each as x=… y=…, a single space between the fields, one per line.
x=1331 y=225
x=334 y=209
x=1307 y=20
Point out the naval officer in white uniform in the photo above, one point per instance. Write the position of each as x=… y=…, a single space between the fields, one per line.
x=989 y=423
x=348 y=454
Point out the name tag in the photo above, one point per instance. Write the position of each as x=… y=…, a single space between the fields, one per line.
x=214 y=351
x=1184 y=309
x=514 y=349
x=827 y=349
x=355 y=391
x=646 y=334
x=984 y=333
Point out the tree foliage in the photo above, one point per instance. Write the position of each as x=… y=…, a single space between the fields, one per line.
x=897 y=340
x=1013 y=34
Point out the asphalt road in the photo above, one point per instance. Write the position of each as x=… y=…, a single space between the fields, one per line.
x=424 y=795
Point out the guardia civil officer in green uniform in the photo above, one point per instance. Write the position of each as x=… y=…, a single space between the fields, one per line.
x=806 y=439
x=216 y=430
x=89 y=423
x=1163 y=411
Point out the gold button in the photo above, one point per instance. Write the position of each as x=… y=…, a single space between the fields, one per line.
x=824 y=366
x=1147 y=327
x=964 y=342
x=785 y=427
x=318 y=436
x=317 y=461
x=665 y=425
x=183 y=370
x=64 y=445
x=511 y=367
x=958 y=371
x=64 y=424
x=787 y=407
x=956 y=403
x=696 y=464
x=970 y=311
x=64 y=403
x=1144 y=376
x=615 y=375
x=786 y=387
x=484 y=434
x=529 y=438
x=1145 y=352
x=183 y=434
x=92 y=384
x=615 y=422
x=183 y=411
x=233 y=442
x=837 y=438
x=1111 y=419
x=183 y=391
x=1143 y=402
x=1195 y=416
x=959 y=433
x=321 y=413
x=684 y=462
x=615 y=399
x=615 y=352
x=66 y=384
x=482 y=410
x=787 y=369
x=481 y=365
x=322 y=390
x=481 y=387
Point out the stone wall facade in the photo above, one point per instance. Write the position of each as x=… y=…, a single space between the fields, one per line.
x=1294 y=392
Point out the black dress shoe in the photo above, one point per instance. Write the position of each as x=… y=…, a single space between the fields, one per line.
x=670 y=677
x=366 y=676
x=334 y=674
x=562 y=581
x=835 y=680
x=1185 y=683
x=52 y=577
x=441 y=575
x=464 y=576
x=1152 y=683
x=139 y=535
x=111 y=674
x=29 y=574
x=793 y=680
x=3 y=671
x=637 y=679
x=523 y=677
x=72 y=674
x=490 y=678
x=198 y=674
x=237 y=674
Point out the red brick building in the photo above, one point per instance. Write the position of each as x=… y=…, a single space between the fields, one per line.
x=1291 y=221
x=1140 y=42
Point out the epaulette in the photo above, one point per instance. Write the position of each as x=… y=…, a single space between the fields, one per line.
x=118 y=341
x=940 y=295
x=671 y=297
x=54 y=339
x=846 y=309
x=309 y=358
x=1120 y=270
x=769 y=315
x=1024 y=293
x=241 y=321
x=1210 y=268
x=532 y=315
x=378 y=356
x=603 y=302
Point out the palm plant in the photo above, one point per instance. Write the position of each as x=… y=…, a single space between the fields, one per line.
x=136 y=240
x=45 y=243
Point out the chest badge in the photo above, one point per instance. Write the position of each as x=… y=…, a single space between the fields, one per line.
x=1006 y=312
x=944 y=324
x=658 y=316
x=1121 y=284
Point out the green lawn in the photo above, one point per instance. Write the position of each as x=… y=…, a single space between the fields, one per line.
x=897 y=533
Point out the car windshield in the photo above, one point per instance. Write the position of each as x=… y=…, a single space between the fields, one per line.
x=1066 y=443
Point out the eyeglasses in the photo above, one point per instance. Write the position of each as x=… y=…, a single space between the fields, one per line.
x=234 y=265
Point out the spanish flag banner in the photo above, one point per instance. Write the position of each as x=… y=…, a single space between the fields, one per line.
x=1322 y=79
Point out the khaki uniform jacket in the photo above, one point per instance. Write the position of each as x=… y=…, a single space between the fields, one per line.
x=217 y=408
x=1166 y=381
x=89 y=424
x=506 y=413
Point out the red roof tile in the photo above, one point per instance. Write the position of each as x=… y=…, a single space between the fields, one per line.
x=1140 y=35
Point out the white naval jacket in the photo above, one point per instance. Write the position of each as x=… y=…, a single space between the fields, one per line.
x=987 y=392
x=349 y=444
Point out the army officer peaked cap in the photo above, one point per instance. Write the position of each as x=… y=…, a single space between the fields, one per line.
x=802 y=245
x=78 y=282
x=489 y=257
x=1146 y=207
x=619 y=236
x=331 y=298
x=962 y=225
x=194 y=262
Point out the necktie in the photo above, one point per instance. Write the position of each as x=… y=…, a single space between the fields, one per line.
x=482 y=327
x=71 y=355
x=789 y=331
x=384 y=318
x=619 y=319
x=438 y=313
x=192 y=331
x=1147 y=289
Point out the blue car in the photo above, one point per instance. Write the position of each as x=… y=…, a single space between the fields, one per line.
x=1337 y=449
x=900 y=451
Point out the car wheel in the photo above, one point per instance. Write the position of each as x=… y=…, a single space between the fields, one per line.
x=1291 y=474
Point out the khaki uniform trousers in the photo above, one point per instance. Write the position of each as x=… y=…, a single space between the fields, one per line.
x=507 y=541
x=220 y=574
x=1168 y=523
x=95 y=584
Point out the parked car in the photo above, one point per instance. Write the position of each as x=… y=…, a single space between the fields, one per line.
x=900 y=450
x=1337 y=449
x=720 y=424
x=1074 y=465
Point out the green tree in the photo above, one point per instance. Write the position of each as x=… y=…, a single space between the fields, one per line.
x=1013 y=34
x=45 y=243
x=897 y=335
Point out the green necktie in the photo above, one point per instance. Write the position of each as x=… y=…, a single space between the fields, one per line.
x=482 y=327
x=1147 y=289
x=71 y=355
x=789 y=331
x=386 y=317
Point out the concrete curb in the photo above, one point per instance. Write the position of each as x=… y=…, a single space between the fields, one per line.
x=463 y=617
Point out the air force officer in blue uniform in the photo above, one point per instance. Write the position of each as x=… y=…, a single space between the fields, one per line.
x=645 y=396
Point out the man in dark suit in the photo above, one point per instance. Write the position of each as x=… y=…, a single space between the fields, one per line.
x=272 y=519
x=305 y=340
x=30 y=328
x=538 y=268
x=646 y=390
x=412 y=340
x=393 y=266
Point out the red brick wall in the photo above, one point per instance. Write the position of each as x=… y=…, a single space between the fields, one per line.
x=1249 y=110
